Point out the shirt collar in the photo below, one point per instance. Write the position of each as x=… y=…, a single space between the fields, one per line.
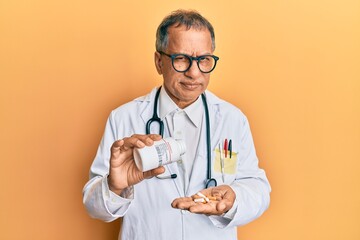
x=166 y=106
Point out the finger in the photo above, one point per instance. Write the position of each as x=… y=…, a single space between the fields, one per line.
x=140 y=141
x=225 y=204
x=228 y=198
x=202 y=193
x=155 y=137
x=183 y=203
x=218 y=191
x=132 y=142
x=116 y=147
x=207 y=208
x=206 y=192
x=148 y=139
x=222 y=206
x=118 y=143
x=223 y=191
x=154 y=172
x=229 y=194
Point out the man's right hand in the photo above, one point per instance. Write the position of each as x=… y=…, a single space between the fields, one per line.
x=123 y=172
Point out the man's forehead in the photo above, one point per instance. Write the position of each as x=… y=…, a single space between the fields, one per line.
x=192 y=41
x=183 y=27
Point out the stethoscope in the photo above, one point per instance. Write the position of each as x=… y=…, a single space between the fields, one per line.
x=210 y=182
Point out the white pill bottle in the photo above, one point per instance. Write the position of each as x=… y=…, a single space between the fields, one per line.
x=162 y=152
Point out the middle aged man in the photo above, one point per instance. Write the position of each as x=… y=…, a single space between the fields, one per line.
x=220 y=159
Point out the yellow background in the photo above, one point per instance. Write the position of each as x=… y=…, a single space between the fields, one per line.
x=291 y=66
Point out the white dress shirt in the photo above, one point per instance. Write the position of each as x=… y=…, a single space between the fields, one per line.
x=183 y=124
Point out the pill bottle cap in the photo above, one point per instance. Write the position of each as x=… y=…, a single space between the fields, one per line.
x=137 y=159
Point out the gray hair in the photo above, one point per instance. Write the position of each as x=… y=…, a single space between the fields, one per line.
x=187 y=18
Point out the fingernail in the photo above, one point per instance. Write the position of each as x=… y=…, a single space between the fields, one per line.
x=140 y=143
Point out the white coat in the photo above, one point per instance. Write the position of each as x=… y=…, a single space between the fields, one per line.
x=149 y=214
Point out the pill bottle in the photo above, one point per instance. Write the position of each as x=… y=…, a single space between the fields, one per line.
x=162 y=152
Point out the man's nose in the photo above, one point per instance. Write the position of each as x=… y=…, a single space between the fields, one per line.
x=193 y=71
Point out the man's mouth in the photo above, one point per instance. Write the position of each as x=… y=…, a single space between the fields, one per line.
x=190 y=86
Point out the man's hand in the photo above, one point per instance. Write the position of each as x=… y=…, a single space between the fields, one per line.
x=123 y=171
x=224 y=198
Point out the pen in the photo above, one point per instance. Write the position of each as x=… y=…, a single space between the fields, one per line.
x=222 y=163
x=226 y=147
x=230 y=147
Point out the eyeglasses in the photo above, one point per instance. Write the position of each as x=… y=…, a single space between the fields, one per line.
x=182 y=62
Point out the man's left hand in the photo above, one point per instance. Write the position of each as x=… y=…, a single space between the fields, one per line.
x=224 y=195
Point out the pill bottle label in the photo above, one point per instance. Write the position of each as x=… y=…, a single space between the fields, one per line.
x=162 y=152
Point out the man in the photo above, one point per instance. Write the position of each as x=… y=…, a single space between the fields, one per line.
x=218 y=141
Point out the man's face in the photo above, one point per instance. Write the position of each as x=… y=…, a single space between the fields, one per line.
x=184 y=88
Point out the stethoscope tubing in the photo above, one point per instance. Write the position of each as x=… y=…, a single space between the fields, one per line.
x=155 y=117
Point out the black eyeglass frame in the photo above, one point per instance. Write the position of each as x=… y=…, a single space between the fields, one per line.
x=197 y=59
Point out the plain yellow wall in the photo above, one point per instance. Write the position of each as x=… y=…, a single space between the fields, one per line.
x=292 y=66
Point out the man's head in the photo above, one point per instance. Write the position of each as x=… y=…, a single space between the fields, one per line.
x=185 y=32
x=187 y=18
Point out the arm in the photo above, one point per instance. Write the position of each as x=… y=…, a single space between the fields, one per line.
x=251 y=186
x=243 y=200
x=108 y=193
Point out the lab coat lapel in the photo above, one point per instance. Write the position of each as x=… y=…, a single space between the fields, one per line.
x=148 y=106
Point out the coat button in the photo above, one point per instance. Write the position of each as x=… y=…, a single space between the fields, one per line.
x=183 y=212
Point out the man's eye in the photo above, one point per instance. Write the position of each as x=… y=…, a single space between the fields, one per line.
x=205 y=58
x=180 y=58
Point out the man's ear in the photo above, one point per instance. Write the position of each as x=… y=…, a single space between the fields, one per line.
x=158 y=62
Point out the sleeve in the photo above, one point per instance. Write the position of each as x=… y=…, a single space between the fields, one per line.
x=251 y=186
x=99 y=201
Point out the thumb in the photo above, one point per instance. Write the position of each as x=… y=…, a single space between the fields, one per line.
x=116 y=147
x=154 y=172
x=221 y=206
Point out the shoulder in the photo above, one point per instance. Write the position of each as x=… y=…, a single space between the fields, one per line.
x=223 y=107
x=135 y=106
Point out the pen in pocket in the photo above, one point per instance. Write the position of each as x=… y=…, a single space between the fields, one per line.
x=222 y=163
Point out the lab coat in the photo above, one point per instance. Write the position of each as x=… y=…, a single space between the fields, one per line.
x=147 y=212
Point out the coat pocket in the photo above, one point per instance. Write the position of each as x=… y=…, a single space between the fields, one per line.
x=229 y=163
